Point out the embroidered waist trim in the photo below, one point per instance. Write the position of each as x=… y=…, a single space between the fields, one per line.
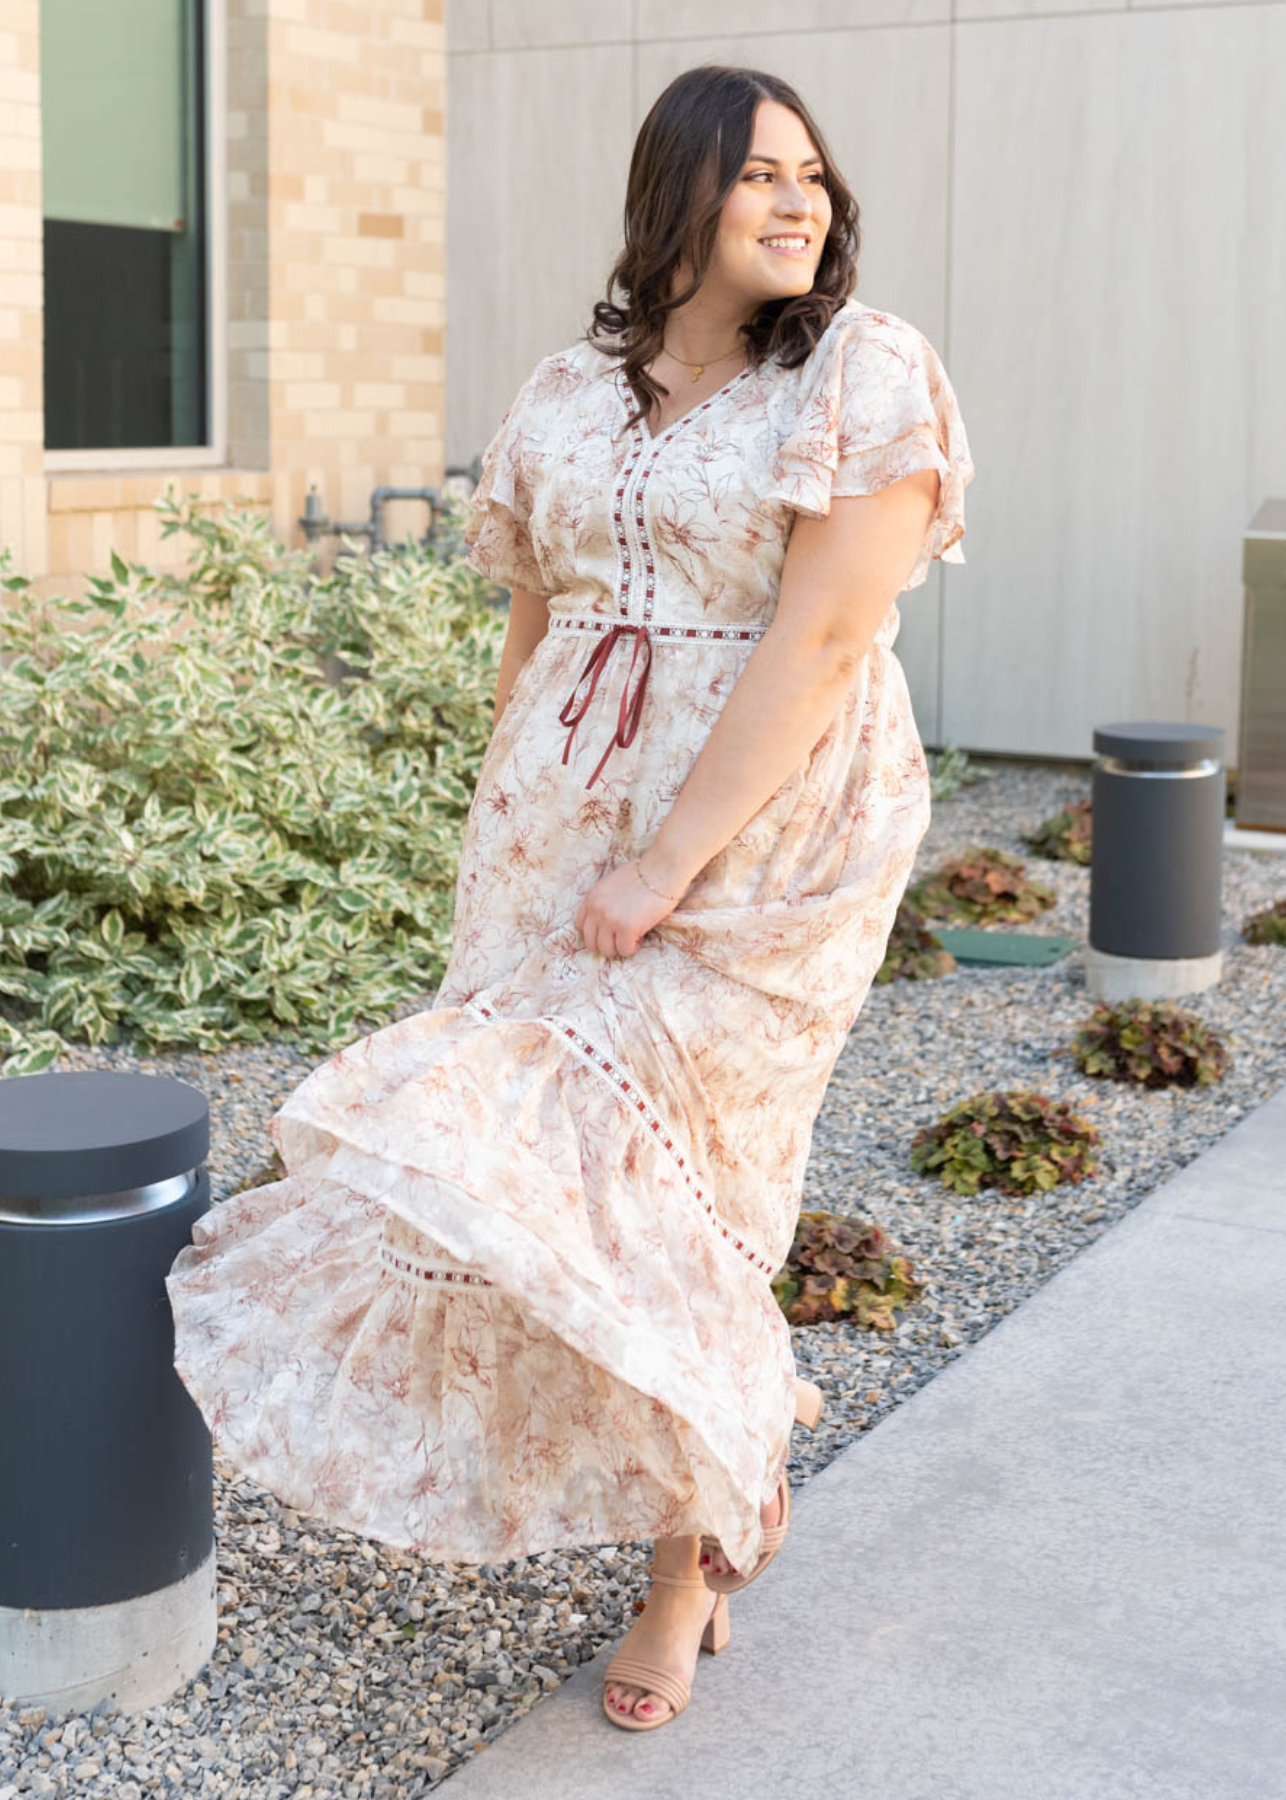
x=603 y=622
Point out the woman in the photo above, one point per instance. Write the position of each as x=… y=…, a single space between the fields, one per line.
x=513 y=1291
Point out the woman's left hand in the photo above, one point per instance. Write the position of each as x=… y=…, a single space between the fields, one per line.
x=618 y=911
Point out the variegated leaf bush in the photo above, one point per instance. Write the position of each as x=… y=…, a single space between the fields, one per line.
x=950 y=769
x=231 y=800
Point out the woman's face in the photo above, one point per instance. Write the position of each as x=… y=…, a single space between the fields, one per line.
x=779 y=193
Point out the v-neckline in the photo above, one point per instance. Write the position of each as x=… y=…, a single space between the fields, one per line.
x=627 y=396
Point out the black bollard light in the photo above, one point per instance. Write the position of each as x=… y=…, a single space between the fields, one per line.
x=107 y=1564
x=1156 y=863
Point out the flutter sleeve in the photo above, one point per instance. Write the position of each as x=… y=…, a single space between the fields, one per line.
x=876 y=406
x=497 y=537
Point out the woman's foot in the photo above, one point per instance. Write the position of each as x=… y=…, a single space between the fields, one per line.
x=717 y=1563
x=668 y=1630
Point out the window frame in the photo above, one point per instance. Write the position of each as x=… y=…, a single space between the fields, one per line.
x=213 y=455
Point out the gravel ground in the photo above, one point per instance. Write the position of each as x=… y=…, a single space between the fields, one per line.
x=343 y=1666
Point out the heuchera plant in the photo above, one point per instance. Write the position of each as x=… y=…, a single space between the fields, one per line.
x=1268 y=926
x=1153 y=1042
x=1065 y=837
x=981 y=886
x=843 y=1268
x=1018 y=1142
x=913 y=952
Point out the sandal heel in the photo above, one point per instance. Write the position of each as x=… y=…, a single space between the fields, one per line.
x=716 y=1634
x=808 y=1403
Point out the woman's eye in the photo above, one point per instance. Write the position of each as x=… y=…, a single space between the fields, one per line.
x=817 y=175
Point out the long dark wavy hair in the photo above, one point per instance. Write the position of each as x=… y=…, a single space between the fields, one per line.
x=687 y=158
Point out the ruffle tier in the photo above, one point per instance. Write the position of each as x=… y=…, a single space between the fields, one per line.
x=489 y=1310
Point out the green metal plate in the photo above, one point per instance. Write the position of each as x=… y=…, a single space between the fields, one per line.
x=969 y=944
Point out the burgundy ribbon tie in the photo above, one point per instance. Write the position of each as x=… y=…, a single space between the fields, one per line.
x=631 y=707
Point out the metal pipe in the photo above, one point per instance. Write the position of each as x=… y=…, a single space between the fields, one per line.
x=315 y=524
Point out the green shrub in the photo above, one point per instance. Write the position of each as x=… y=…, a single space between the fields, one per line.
x=1066 y=836
x=913 y=953
x=950 y=770
x=843 y=1268
x=1018 y=1142
x=1152 y=1042
x=982 y=887
x=1268 y=926
x=232 y=801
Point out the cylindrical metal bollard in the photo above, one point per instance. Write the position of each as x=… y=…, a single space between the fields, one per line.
x=107 y=1564
x=1156 y=866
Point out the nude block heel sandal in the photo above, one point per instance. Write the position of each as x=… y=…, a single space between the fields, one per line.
x=808 y=1410
x=656 y=1680
x=808 y=1403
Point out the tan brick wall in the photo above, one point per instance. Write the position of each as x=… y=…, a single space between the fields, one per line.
x=340 y=181
x=249 y=441
x=92 y=515
x=22 y=413
x=336 y=284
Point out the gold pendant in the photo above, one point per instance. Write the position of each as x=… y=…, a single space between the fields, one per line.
x=697 y=375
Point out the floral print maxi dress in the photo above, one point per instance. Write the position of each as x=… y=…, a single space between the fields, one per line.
x=513 y=1290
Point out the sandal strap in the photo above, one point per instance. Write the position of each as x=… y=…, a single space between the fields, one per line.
x=631 y=1672
x=774 y=1536
x=680 y=1580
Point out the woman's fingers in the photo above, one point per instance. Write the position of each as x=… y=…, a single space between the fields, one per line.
x=606 y=940
x=613 y=917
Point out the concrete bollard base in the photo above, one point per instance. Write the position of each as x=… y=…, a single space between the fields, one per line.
x=1113 y=978
x=135 y=1652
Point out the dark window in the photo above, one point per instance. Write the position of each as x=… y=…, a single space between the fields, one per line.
x=123 y=123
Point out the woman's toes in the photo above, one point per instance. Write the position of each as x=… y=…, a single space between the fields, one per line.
x=631 y=1699
x=714 y=1562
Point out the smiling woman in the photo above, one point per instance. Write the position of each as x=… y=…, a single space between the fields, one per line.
x=788 y=243
x=514 y=1289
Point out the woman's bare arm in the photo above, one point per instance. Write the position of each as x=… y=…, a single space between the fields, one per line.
x=528 y=623
x=840 y=576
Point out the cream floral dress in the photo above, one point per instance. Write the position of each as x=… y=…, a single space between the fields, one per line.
x=513 y=1290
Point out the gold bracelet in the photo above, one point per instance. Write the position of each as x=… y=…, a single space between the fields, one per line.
x=647 y=884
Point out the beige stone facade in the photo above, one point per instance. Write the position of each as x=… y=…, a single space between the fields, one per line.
x=334 y=294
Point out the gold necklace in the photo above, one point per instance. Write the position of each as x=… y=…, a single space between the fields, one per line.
x=700 y=368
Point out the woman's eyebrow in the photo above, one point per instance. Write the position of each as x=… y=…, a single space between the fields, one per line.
x=753 y=157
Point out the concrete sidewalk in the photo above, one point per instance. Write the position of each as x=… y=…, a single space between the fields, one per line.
x=1057 y=1572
